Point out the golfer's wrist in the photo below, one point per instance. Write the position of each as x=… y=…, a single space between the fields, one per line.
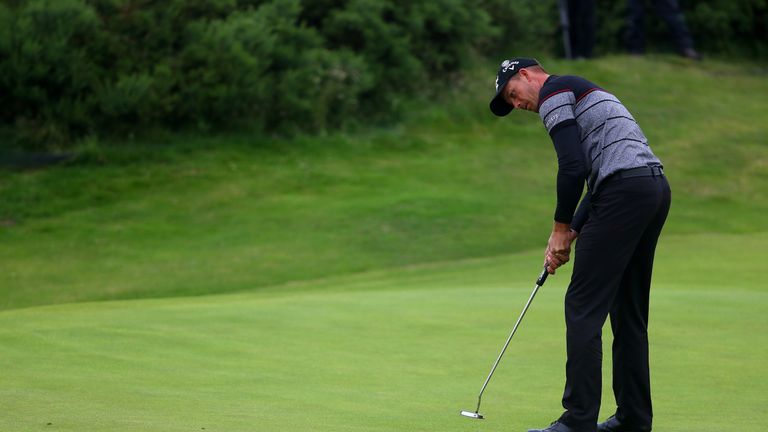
x=561 y=227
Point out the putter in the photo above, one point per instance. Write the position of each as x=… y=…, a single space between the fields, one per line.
x=539 y=282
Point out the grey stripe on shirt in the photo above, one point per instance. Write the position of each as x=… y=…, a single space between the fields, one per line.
x=610 y=137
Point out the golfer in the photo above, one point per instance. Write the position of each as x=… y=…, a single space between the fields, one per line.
x=617 y=224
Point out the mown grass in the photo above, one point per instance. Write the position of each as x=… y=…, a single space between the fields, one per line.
x=383 y=351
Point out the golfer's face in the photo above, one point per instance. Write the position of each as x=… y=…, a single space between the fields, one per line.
x=521 y=94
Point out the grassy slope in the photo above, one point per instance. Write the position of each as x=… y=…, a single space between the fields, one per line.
x=229 y=214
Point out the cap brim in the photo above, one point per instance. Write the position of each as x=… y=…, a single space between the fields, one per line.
x=500 y=107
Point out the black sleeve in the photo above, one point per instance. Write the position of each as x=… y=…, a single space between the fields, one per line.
x=572 y=169
x=582 y=213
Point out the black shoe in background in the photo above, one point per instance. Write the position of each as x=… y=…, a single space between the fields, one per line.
x=691 y=53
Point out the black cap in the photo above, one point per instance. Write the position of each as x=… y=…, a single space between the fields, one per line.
x=507 y=70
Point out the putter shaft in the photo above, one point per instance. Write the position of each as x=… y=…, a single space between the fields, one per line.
x=539 y=282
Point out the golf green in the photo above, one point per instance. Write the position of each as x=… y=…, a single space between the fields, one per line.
x=396 y=350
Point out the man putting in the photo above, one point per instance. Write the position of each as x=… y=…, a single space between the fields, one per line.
x=618 y=223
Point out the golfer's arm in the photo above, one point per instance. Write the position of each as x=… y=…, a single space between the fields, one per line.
x=572 y=169
x=582 y=213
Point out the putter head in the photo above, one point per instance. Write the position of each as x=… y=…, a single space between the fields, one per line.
x=473 y=415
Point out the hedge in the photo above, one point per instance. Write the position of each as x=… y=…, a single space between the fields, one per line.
x=74 y=68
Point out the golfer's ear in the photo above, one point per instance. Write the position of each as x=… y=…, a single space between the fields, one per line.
x=525 y=74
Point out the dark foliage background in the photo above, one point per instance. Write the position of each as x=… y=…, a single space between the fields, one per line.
x=76 y=68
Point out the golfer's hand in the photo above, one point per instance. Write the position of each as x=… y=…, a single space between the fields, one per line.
x=559 y=246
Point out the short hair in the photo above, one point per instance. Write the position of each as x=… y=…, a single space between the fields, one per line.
x=535 y=68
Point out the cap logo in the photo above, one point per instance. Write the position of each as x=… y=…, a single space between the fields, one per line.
x=508 y=65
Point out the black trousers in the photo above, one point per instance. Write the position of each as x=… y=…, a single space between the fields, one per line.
x=612 y=275
x=582 y=27
x=669 y=11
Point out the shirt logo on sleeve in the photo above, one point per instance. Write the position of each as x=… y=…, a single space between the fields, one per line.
x=552 y=120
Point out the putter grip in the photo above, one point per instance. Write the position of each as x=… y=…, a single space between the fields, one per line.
x=542 y=277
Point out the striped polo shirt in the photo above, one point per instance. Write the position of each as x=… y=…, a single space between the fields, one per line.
x=610 y=137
